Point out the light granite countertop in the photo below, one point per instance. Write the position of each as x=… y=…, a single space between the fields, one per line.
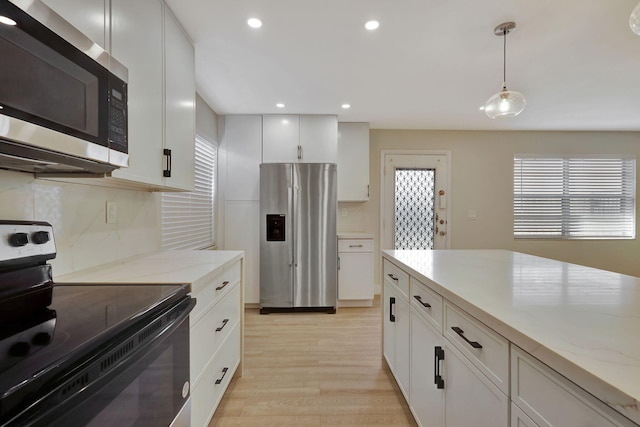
x=582 y=322
x=164 y=267
x=354 y=235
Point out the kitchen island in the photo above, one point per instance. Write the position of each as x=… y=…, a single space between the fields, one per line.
x=576 y=327
x=216 y=324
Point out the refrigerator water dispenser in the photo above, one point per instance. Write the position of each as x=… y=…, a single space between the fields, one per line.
x=275 y=228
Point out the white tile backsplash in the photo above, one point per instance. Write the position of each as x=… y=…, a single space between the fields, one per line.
x=77 y=214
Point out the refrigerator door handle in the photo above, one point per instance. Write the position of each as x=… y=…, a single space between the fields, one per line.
x=292 y=220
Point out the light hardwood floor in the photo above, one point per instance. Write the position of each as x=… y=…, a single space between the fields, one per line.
x=313 y=369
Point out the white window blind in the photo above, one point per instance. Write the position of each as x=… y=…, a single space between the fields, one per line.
x=188 y=218
x=574 y=198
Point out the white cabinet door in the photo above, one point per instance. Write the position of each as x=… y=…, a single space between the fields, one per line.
x=353 y=162
x=426 y=400
x=136 y=41
x=355 y=276
x=180 y=102
x=403 y=332
x=519 y=418
x=470 y=398
x=280 y=139
x=319 y=139
x=389 y=330
x=91 y=17
x=241 y=140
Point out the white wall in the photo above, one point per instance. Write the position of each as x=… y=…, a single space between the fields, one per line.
x=482 y=180
x=77 y=214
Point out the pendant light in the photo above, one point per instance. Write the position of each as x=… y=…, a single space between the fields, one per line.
x=634 y=20
x=506 y=103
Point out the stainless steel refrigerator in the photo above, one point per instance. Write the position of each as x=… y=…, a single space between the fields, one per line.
x=298 y=238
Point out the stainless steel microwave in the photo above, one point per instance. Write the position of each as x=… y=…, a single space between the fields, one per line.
x=63 y=99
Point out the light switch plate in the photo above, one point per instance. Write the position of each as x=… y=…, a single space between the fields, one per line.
x=112 y=212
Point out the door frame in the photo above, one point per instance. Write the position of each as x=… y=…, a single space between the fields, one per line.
x=384 y=243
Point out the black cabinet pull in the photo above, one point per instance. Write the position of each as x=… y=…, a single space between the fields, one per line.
x=438 y=356
x=225 y=283
x=474 y=344
x=392 y=277
x=224 y=323
x=419 y=299
x=167 y=172
x=224 y=372
x=392 y=302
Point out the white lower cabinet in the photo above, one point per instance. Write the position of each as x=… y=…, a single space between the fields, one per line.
x=215 y=341
x=519 y=418
x=426 y=399
x=355 y=271
x=396 y=333
x=549 y=399
x=470 y=398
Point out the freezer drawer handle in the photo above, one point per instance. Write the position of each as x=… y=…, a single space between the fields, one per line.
x=224 y=372
x=392 y=277
x=419 y=299
x=392 y=302
x=474 y=344
x=221 y=287
x=439 y=356
x=224 y=323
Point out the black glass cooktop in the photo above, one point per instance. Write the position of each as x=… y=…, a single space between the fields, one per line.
x=80 y=318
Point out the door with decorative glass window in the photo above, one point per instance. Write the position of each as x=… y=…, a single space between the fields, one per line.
x=415 y=194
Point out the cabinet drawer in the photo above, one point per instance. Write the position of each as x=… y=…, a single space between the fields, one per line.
x=210 y=331
x=427 y=301
x=396 y=276
x=207 y=393
x=355 y=245
x=209 y=293
x=549 y=399
x=487 y=350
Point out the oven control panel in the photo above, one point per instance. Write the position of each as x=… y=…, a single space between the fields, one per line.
x=26 y=240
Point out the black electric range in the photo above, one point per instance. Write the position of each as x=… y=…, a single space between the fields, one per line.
x=49 y=332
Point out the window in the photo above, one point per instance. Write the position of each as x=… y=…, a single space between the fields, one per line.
x=574 y=198
x=188 y=218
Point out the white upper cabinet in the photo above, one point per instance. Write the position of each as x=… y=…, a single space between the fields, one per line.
x=136 y=27
x=144 y=36
x=353 y=162
x=304 y=138
x=180 y=93
x=91 y=17
x=319 y=139
x=241 y=138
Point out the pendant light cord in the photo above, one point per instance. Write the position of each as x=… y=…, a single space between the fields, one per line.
x=504 y=59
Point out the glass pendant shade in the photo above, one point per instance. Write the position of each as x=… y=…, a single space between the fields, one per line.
x=634 y=20
x=505 y=104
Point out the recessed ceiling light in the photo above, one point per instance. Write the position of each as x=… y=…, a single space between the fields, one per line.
x=7 y=21
x=372 y=25
x=280 y=105
x=285 y=121
x=254 y=22
x=346 y=106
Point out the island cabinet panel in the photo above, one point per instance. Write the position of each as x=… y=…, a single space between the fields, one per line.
x=396 y=332
x=549 y=399
x=519 y=418
x=425 y=398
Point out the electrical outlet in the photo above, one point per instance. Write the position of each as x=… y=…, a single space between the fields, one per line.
x=345 y=212
x=112 y=212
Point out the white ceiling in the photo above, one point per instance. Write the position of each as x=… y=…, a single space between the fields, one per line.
x=430 y=65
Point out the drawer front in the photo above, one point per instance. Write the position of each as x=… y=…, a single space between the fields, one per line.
x=215 y=289
x=208 y=333
x=427 y=301
x=207 y=393
x=355 y=245
x=396 y=276
x=549 y=399
x=486 y=349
